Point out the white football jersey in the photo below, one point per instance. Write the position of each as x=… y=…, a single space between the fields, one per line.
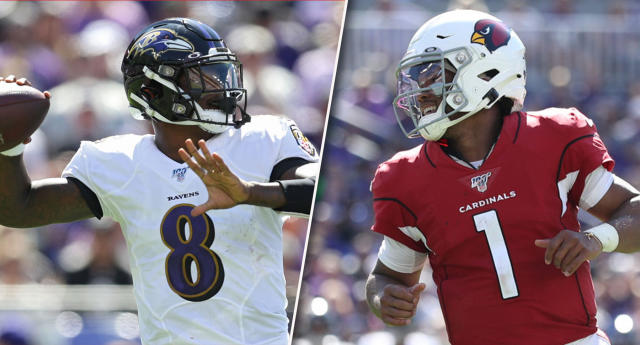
x=213 y=279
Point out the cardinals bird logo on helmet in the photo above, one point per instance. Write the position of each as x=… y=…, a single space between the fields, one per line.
x=491 y=34
x=457 y=64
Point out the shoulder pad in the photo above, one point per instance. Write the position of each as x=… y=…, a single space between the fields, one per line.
x=392 y=170
x=571 y=117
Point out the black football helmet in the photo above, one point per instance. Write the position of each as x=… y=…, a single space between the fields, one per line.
x=179 y=71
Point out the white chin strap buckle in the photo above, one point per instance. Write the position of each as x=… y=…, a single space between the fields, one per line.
x=434 y=131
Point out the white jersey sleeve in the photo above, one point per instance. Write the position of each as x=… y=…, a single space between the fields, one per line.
x=399 y=257
x=294 y=143
x=261 y=144
x=596 y=186
x=94 y=163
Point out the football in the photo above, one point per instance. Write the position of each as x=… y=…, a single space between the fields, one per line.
x=22 y=110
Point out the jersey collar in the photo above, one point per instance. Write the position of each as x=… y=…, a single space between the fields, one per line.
x=436 y=156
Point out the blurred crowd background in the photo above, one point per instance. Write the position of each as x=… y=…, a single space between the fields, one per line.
x=579 y=53
x=74 y=49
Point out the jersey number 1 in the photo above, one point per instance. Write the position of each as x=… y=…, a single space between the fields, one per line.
x=189 y=249
x=489 y=223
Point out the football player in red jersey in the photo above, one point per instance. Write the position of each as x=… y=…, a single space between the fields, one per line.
x=494 y=196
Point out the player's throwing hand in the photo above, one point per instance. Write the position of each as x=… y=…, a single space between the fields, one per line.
x=225 y=188
x=21 y=81
x=569 y=249
x=398 y=303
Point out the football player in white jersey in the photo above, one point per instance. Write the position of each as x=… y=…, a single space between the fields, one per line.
x=200 y=203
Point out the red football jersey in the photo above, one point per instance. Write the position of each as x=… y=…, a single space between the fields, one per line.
x=479 y=228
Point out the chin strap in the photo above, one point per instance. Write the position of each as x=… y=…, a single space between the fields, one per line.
x=137 y=114
x=14 y=151
x=436 y=130
x=245 y=117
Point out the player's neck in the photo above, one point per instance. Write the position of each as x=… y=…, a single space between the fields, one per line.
x=169 y=138
x=473 y=138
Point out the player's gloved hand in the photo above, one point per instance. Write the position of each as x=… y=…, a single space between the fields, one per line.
x=225 y=188
x=569 y=249
x=398 y=303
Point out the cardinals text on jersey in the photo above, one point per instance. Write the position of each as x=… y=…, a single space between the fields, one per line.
x=493 y=285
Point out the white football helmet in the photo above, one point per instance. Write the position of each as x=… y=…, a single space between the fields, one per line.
x=458 y=62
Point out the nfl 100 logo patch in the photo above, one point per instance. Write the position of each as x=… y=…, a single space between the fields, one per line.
x=179 y=174
x=480 y=182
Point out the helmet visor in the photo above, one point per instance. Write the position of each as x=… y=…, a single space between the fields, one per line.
x=421 y=87
x=424 y=82
x=423 y=75
x=212 y=83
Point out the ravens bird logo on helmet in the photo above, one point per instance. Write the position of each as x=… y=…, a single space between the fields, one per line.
x=159 y=41
x=491 y=34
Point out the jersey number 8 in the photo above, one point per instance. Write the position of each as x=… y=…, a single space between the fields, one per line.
x=189 y=249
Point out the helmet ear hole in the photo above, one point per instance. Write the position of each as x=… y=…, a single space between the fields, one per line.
x=488 y=75
x=150 y=90
x=150 y=93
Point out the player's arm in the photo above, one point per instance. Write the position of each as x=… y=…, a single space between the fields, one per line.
x=291 y=192
x=393 y=296
x=25 y=203
x=596 y=190
x=619 y=208
x=296 y=181
x=393 y=288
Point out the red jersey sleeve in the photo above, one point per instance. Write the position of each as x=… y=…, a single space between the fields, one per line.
x=390 y=212
x=583 y=153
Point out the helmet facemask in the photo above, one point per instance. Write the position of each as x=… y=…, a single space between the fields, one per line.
x=206 y=91
x=429 y=94
x=214 y=90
